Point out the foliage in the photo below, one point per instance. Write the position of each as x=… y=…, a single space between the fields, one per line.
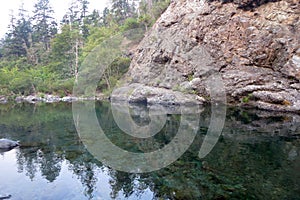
x=113 y=73
x=247 y=98
x=131 y=23
x=121 y=10
x=45 y=26
x=150 y=10
x=38 y=56
x=34 y=81
x=17 y=39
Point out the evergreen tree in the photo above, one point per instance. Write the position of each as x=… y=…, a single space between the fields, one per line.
x=44 y=27
x=18 y=39
x=93 y=19
x=74 y=31
x=36 y=58
x=106 y=17
x=121 y=10
x=83 y=17
x=77 y=17
x=10 y=49
x=61 y=52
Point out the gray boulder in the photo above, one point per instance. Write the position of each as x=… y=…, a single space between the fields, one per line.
x=8 y=144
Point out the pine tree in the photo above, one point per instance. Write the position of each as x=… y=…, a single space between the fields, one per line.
x=106 y=17
x=74 y=32
x=44 y=27
x=83 y=17
x=18 y=39
x=93 y=19
x=62 y=53
x=121 y=10
x=10 y=45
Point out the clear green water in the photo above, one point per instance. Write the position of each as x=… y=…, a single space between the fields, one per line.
x=257 y=157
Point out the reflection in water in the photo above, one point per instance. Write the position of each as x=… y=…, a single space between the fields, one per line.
x=102 y=148
x=257 y=157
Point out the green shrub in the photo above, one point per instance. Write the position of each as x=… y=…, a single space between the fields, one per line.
x=247 y=98
x=113 y=74
x=130 y=23
x=62 y=87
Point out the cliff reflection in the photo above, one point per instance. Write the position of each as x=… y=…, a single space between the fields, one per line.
x=245 y=164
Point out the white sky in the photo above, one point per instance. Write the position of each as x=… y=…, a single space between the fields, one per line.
x=59 y=6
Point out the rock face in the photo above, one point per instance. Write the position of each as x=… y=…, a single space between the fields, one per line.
x=255 y=51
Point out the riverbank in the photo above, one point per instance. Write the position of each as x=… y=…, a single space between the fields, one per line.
x=149 y=96
x=47 y=98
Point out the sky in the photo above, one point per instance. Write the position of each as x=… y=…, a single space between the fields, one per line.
x=59 y=6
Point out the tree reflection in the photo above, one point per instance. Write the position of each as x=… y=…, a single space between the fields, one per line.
x=84 y=167
x=121 y=181
x=26 y=161
x=245 y=164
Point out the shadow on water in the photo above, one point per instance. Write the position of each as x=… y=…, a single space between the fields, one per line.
x=257 y=157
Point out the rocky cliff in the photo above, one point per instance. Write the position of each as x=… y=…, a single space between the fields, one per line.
x=253 y=46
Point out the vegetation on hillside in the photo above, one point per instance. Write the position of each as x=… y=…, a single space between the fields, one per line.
x=39 y=55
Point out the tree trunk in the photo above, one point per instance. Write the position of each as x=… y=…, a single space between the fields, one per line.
x=76 y=59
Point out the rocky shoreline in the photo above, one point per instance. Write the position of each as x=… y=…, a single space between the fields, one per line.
x=47 y=98
x=254 y=52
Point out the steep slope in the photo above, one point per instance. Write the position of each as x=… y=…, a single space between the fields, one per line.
x=254 y=49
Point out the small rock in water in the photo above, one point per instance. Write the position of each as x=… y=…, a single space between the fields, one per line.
x=8 y=144
x=69 y=99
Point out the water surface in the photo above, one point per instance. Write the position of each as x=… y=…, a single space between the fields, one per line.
x=257 y=157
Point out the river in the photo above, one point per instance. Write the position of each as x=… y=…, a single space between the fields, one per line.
x=257 y=156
